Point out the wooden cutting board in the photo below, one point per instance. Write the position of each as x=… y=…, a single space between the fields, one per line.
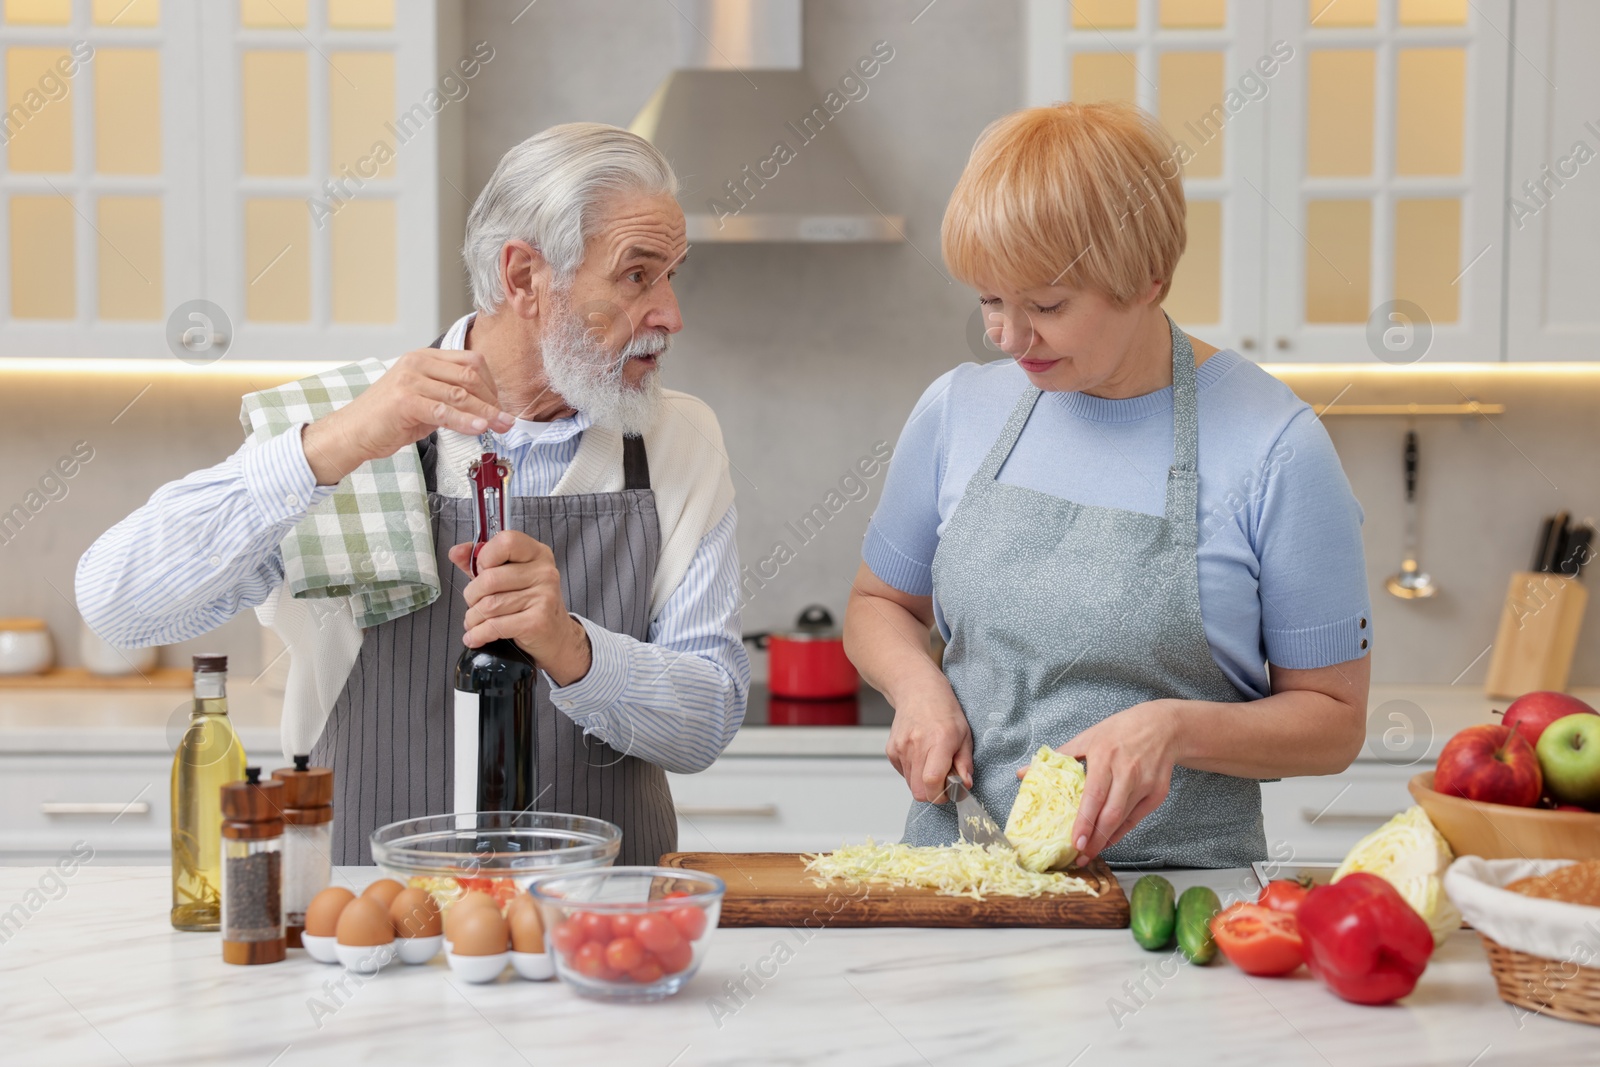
x=773 y=889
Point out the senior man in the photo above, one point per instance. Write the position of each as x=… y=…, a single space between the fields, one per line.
x=617 y=571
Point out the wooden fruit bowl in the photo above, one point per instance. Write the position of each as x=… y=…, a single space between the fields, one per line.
x=1504 y=832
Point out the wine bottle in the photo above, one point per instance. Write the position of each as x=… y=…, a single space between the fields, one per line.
x=494 y=684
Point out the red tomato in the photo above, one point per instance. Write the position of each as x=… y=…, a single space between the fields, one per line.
x=674 y=895
x=624 y=954
x=1258 y=940
x=590 y=960
x=622 y=925
x=647 y=972
x=676 y=958
x=595 y=927
x=1283 y=896
x=657 y=933
x=690 y=921
x=567 y=937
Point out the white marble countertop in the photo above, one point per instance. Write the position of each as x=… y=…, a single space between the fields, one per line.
x=1406 y=723
x=90 y=973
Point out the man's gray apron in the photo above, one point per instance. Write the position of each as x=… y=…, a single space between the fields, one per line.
x=389 y=738
x=1062 y=614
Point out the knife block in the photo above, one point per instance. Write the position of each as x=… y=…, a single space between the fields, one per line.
x=1539 y=626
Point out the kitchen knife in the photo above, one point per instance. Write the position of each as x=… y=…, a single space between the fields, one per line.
x=976 y=824
x=1542 y=546
x=1558 y=549
x=1552 y=541
x=1576 y=555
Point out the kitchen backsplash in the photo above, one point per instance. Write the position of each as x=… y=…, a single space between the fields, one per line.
x=813 y=355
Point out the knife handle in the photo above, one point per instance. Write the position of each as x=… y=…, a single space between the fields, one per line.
x=1543 y=544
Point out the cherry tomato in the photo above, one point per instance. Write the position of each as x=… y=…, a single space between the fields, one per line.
x=676 y=894
x=1283 y=896
x=647 y=972
x=624 y=954
x=676 y=958
x=567 y=937
x=595 y=926
x=656 y=933
x=590 y=960
x=690 y=921
x=1257 y=939
x=622 y=925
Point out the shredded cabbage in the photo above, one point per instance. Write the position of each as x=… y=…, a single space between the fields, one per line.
x=1411 y=855
x=1040 y=824
x=960 y=870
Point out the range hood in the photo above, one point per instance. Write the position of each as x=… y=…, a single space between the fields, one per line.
x=747 y=132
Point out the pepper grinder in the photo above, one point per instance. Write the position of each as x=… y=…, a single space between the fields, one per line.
x=252 y=870
x=307 y=840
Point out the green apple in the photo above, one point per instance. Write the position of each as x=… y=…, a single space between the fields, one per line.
x=1569 y=756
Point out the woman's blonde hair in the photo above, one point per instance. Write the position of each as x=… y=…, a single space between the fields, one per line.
x=1085 y=195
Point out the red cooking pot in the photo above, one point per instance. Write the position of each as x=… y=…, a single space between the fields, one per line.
x=808 y=662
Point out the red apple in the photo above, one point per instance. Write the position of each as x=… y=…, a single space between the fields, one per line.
x=1532 y=712
x=1491 y=763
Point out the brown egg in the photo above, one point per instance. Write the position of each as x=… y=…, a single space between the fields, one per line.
x=415 y=913
x=473 y=900
x=322 y=916
x=527 y=927
x=479 y=932
x=384 y=890
x=363 y=923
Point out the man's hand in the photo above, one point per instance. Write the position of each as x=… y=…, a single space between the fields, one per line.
x=422 y=391
x=517 y=594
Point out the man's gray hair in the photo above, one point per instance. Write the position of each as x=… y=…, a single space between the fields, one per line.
x=545 y=191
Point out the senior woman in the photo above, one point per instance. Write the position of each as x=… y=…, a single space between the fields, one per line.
x=1140 y=550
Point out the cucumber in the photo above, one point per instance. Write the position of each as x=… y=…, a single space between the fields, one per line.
x=1195 y=909
x=1151 y=912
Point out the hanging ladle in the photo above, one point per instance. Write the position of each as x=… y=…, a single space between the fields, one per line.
x=1412 y=583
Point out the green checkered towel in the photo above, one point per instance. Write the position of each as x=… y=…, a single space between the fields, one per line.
x=371 y=540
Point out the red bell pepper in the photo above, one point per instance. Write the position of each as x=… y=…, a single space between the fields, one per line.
x=1362 y=940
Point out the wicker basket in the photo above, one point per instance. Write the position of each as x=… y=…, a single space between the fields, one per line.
x=1557 y=988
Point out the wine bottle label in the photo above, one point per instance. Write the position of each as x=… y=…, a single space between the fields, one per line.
x=466 y=735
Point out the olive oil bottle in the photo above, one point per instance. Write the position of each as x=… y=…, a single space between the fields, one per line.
x=209 y=756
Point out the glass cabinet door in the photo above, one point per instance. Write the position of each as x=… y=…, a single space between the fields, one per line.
x=1206 y=69
x=1385 y=181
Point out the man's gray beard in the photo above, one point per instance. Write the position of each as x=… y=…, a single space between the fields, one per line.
x=589 y=378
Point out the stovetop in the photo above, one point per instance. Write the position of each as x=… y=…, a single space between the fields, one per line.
x=867 y=708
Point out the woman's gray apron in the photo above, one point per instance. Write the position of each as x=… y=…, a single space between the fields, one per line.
x=1062 y=614
x=389 y=738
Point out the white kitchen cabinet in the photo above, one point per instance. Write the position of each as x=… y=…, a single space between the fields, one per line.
x=1553 y=187
x=120 y=805
x=1320 y=818
x=762 y=804
x=1344 y=163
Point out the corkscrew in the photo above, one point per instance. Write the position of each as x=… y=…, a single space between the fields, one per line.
x=490 y=474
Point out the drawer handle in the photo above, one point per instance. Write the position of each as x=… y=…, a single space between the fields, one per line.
x=757 y=811
x=94 y=807
x=1311 y=815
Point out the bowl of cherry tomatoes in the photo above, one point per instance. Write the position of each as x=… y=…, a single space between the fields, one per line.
x=628 y=933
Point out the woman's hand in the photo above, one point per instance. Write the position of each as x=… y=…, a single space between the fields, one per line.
x=1130 y=757
x=929 y=738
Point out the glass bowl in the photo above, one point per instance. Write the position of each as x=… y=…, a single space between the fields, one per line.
x=628 y=933
x=499 y=852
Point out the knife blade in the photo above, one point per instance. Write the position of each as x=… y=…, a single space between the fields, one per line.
x=976 y=824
